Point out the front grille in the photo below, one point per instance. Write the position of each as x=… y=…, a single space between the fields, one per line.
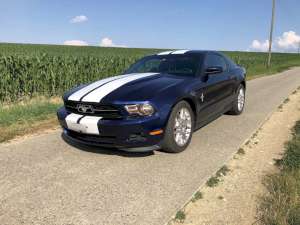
x=104 y=111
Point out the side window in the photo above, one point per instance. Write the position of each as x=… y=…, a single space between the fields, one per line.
x=215 y=60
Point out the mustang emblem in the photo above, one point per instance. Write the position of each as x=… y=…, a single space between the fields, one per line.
x=85 y=108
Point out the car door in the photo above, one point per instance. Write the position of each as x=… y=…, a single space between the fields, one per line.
x=216 y=89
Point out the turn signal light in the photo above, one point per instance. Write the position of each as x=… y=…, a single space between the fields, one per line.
x=156 y=132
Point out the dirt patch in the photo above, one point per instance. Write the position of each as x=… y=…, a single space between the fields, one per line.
x=233 y=200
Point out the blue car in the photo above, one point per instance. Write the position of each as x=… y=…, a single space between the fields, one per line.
x=157 y=103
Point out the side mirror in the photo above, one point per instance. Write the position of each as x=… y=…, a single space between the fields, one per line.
x=214 y=70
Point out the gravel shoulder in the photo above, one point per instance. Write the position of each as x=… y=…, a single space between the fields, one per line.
x=234 y=200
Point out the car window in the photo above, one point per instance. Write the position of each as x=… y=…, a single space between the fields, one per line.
x=172 y=64
x=215 y=60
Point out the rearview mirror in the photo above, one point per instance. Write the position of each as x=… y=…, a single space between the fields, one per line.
x=214 y=70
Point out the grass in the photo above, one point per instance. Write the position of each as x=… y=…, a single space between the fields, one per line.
x=214 y=180
x=180 y=216
x=281 y=205
x=198 y=195
x=241 y=151
x=27 y=117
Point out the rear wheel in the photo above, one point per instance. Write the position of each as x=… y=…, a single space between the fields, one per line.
x=239 y=101
x=179 y=130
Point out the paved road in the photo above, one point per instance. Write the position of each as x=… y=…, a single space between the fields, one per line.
x=43 y=180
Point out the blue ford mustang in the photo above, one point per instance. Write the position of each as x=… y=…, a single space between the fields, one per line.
x=157 y=103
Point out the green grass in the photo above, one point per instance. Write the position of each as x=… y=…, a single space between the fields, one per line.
x=241 y=151
x=27 y=117
x=180 y=216
x=281 y=205
x=198 y=195
x=214 y=180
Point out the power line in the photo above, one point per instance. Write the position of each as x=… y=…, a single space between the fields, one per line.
x=271 y=34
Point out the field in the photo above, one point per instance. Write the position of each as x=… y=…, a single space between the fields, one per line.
x=42 y=70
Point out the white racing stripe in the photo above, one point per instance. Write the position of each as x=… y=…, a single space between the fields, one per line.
x=165 y=53
x=98 y=94
x=179 y=52
x=91 y=124
x=87 y=125
x=80 y=93
x=71 y=121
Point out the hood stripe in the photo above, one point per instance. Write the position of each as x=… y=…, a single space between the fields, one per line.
x=98 y=94
x=78 y=95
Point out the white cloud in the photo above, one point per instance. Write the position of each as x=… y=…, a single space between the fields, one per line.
x=107 y=42
x=259 y=46
x=76 y=43
x=288 y=40
x=79 y=19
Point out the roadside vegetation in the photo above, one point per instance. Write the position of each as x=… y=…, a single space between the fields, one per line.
x=281 y=205
x=29 y=71
x=27 y=117
x=214 y=180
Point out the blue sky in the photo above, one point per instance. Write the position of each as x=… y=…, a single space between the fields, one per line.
x=191 y=24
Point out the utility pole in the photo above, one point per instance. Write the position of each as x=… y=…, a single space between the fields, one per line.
x=299 y=47
x=271 y=34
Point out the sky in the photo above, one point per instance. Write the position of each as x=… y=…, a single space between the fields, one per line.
x=182 y=24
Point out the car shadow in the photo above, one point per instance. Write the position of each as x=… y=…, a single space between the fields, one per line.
x=106 y=151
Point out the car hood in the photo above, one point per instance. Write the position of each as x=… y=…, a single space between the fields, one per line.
x=126 y=88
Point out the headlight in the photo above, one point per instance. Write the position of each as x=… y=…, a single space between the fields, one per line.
x=140 y=109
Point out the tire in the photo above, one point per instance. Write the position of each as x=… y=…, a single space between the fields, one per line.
x=171 y=141
x=239 y=101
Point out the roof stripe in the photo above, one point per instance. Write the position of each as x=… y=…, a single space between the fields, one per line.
x=179 y=52
x=165 y=53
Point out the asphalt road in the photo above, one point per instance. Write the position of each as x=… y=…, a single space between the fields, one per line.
x=44 y=180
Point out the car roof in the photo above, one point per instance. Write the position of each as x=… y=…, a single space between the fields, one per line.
x=185 y=51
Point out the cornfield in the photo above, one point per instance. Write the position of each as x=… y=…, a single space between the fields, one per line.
x=32 y=70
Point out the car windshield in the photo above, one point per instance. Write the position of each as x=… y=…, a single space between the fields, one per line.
x=172 y=64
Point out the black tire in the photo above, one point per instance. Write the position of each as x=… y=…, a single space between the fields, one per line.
x=169 y=144
x=236 y=110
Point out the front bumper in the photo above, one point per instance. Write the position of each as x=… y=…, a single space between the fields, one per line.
x=125 y=134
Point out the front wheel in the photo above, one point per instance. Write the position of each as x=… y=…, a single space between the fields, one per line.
x=180 y=127
x=239 y=101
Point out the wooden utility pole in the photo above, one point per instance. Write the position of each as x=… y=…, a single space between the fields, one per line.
x=271 y=34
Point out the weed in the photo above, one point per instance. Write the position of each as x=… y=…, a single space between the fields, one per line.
x=223 y=171
x=286 y=100
x=220 y=197
x=213 y=181
x=180 y=216
x=198 y=195
x=248 y=142
x=241 y=151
